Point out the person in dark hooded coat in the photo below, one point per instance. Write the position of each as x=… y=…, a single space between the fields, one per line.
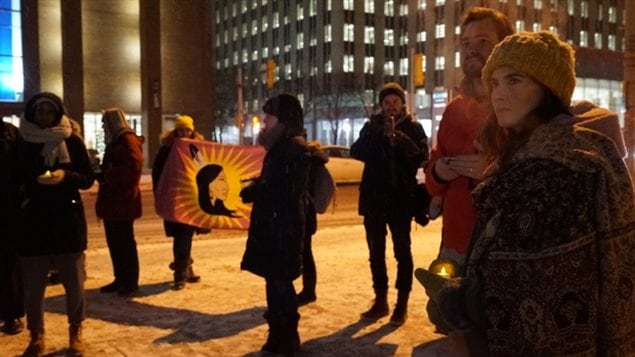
x=119 y=199
x=277 y=222
x=54 y=166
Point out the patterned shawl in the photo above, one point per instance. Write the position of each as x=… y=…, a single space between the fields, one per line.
x=554 y=249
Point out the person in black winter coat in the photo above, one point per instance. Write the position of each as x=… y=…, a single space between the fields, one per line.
x=11 y=295
x=392 y=146
x=277 y=221
x=54 y=166
x=181 y=233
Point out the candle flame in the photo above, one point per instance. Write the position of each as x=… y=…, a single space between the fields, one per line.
x=443 y=272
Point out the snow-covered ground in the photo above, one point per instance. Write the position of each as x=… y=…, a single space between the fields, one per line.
x=222 y=315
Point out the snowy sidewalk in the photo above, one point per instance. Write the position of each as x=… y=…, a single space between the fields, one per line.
x=222 y=315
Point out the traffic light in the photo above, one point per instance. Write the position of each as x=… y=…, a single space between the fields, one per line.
x=271 y=72
x=417 y=70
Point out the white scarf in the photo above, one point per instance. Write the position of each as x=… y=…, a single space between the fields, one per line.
x=54 y=150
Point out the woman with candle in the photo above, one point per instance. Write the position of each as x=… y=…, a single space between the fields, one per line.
x=55 y=225
x=550 y=271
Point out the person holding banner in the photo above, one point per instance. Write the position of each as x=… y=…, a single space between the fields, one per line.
x=276 y=232
x=180 y=232
x=119 y=199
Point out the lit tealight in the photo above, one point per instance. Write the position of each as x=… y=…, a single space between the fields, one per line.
x=443 y=273
x=47 y=173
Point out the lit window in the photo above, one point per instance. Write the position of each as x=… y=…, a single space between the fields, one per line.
x=300 y=12
x=369 y=35
x=597 y=38
x=538 y=4
x=389 y=8
x=265 y=52
x=348 y=4
x=570 y=5
x=421 y=36
x=422 y=5
x=457 y=59
x=612 y=15
x=327 y=33
x=537 y=26
x=520 y=25
x=584 y=38
x=369 y=64
x=439 y=63
x=265 y=24
x=440 y=2
x=300 y=40
x=439 y=31
x=288 y=71
x=369 y=6
x=389 y=37
x=611 y=42
x=11 y=63
x=403 y=9
x=349 y=63
x=403 y=66
x=349 y=32
x=313 y=8
x=389 y=68
x=276 y=20
x=553 y=29
x=403 y=40
x=245 y=56
x=254 y=27
x=328 y=66
x=254 y=55
x=584 y=8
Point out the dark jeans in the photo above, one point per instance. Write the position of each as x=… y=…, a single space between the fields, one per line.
x=123 y=252
x=281 y=299
x=182 y=248
x=11 y=291
x=309 y=274
x=376 y=240
x=72 y=274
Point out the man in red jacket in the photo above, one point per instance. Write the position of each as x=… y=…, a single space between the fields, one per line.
x=119 y=199
x=455 y=167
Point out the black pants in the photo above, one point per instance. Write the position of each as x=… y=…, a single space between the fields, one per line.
x=281 y=299
x=123 y=252
x=309 y=273
x=11 y=290
x=376 y=240
x=182 y=249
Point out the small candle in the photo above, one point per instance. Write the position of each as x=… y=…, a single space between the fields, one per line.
x=47 y=173
x=443 y=273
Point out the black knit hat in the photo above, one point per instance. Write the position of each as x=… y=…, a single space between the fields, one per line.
x=392 y=88
x=54 y=100
x=286 y=107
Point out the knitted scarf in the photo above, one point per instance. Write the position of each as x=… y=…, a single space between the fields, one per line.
x=54 y=149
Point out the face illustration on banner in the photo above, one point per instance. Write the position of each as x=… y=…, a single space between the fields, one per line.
x=213 y=190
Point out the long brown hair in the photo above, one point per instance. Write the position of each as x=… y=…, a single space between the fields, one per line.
x=500 y=144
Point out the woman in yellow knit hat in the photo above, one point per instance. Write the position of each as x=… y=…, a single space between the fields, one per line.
x=181 y=233
x=550 y=270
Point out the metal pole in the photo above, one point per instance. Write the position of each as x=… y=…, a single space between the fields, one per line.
x=629 y=85
x=239 y=105
x=411 y=84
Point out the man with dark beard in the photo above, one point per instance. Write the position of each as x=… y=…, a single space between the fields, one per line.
x=277 y=221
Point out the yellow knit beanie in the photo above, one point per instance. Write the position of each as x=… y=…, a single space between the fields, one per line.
x=184 y=121
x=542 y=56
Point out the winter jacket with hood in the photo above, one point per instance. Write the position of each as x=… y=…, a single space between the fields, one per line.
x=53 y=214
x=119 y=197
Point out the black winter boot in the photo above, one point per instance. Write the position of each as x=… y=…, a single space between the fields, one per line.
x=36 y=345
x=283 y=334
x=380 y=306
x=400 y=314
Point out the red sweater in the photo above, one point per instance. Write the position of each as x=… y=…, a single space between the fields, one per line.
x=460 y=126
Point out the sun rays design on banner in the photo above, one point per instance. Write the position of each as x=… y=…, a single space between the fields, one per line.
x=238 y=163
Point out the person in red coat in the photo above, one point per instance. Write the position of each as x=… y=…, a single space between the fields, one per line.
x=119 y=199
